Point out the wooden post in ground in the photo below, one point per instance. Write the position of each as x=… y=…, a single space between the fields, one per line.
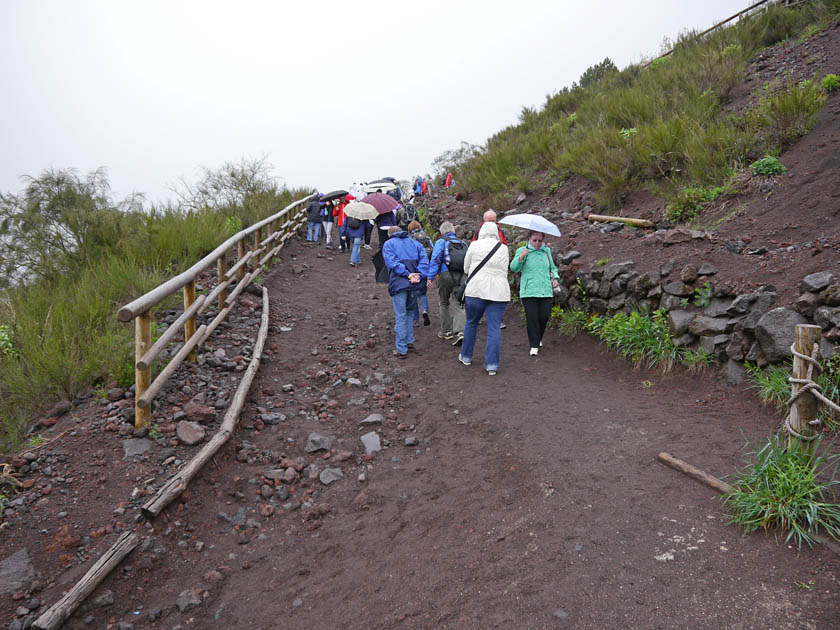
x=189 y=325
x=241 y=250
x=142 y=378
x=221 y=270
x=257 y=240
x=804 y=408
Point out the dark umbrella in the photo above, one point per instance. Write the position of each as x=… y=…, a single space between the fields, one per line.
x=336 y=194
x=382 y=202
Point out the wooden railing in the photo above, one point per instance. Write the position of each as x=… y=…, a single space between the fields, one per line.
x=250 y=262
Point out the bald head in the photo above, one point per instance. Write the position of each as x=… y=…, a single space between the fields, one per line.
x=490 y=216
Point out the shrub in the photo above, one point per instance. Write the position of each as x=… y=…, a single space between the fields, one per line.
x=788 y=115
x=690 y=202
x=782 y=489
x=771 y=383
x=640 y=338
x=569 y=322
x=830 y=82
x=767 y=166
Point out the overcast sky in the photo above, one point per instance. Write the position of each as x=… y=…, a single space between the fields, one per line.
x=331 y=92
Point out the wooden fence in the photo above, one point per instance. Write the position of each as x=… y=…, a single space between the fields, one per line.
x=761 y=3
x=269 y=236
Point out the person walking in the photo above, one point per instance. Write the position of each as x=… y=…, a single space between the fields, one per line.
x=327 y=221
x=340 y=220
x=368 y=227
x=490 y=217
x=408 y=268
x=354 y=230
x=384 y=222
x=415 y=230
x=536 y=286
x=487 y=293
x=446 y=266
x=313 y=217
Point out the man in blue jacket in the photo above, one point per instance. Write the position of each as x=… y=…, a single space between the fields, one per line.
x=451 y=323
x=408 y=266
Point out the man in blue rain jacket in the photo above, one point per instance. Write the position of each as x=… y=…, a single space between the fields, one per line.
x=408 y=267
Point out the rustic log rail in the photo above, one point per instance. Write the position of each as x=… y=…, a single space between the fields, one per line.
x=269 y=236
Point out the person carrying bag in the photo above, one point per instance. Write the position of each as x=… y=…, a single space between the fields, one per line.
x=486 y=293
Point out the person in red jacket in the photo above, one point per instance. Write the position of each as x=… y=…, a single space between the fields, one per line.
x=490 y=217
x=448 y=181
x=338 y=213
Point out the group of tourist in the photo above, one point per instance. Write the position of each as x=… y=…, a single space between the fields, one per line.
x=478 y=270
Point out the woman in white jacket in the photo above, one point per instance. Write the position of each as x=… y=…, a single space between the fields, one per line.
x=487 y=294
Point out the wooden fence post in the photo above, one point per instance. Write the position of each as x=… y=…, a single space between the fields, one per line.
x=240 y=254
x=221 y=270
x=142 y=378
x=189 y=325
x=804 y=408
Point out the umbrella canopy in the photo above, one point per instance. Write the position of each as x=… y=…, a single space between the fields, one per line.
x=360 y=211
x=531 y=222
x=382 y=202
x=335 y=194
x=380 y=186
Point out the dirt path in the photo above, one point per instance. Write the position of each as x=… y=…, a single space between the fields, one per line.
x=532 y=499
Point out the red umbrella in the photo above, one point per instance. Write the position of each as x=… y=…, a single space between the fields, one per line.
x=382 y=202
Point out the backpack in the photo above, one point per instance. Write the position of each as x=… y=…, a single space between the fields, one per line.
x=353 y=223
x=454 y=254
x=409 y=213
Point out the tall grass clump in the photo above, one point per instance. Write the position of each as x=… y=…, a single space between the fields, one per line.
x=640 y=338
x=71 y=255
x=663 y=127
x=569 y=322
x=788 y=492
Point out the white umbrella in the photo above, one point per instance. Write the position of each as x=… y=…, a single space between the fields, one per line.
x=380 y=187
x=361 y=211
x=531 y=222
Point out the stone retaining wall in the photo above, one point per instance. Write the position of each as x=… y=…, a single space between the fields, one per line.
x=703 y=312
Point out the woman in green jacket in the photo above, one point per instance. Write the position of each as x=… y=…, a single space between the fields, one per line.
x=536 y=287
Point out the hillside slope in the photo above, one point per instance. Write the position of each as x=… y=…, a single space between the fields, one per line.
x=774 y=232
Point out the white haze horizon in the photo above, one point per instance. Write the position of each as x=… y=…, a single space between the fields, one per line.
x=330 y=93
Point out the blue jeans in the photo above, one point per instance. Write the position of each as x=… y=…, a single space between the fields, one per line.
x=423 y=302
x=405 y=306
x=314 y=228
x=354 y=255
x=493 y=311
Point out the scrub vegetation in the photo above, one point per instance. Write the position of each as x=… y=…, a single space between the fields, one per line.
x=662 y=127
x=71 y=254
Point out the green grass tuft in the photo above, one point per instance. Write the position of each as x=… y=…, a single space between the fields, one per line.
x=785 y=490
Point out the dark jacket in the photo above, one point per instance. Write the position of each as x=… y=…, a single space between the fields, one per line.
x=313 y=211
x=385 y=220
x=403 y=255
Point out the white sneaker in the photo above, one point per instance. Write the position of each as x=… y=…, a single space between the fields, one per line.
x=366 y=246
x=534 y=352
x=540 y=344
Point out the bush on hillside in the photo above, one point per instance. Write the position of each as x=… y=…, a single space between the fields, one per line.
x=684 y=135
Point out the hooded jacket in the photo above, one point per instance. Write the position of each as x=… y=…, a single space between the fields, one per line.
x=403 y=255
x=491 y=282
x=313 y=211
x=538 y=270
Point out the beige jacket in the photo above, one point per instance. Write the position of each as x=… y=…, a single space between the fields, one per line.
x=491 y=282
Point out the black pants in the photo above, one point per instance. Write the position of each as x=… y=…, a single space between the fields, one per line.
x=537 y=313
x=368 y=232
